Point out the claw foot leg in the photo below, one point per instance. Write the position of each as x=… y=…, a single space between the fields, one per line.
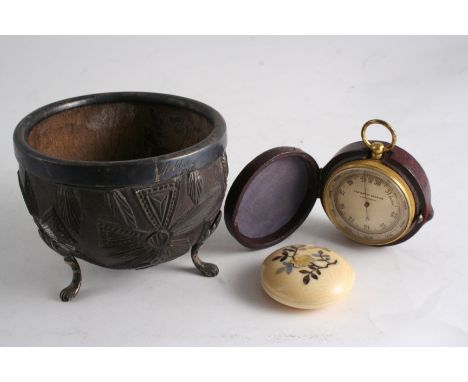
x=72 y=290
x=206 y=269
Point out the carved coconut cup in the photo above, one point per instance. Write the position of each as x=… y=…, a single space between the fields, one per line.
x=123 y=180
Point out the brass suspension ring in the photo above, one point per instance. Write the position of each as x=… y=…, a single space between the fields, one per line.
x=384 y=124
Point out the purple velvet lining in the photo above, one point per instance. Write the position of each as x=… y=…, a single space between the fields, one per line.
x=273 y=197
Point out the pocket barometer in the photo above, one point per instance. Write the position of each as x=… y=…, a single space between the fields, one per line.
x=373 y=199
x=374 y=192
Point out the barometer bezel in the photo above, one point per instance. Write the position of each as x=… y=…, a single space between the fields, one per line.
x=376 y=165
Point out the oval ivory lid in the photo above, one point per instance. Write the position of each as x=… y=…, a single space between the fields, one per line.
x=306 y=277
x=271 y=197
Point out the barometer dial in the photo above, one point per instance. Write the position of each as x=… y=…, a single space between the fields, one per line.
x=369 y=202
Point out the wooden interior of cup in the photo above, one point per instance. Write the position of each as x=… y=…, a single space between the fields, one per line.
x=118 y=131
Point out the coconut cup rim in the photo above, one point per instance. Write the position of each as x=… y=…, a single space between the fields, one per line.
x=115 y=173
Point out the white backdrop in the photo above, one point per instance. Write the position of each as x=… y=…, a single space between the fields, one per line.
x=311 y=92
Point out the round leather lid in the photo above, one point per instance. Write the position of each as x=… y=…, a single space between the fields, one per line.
x=271 y=197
